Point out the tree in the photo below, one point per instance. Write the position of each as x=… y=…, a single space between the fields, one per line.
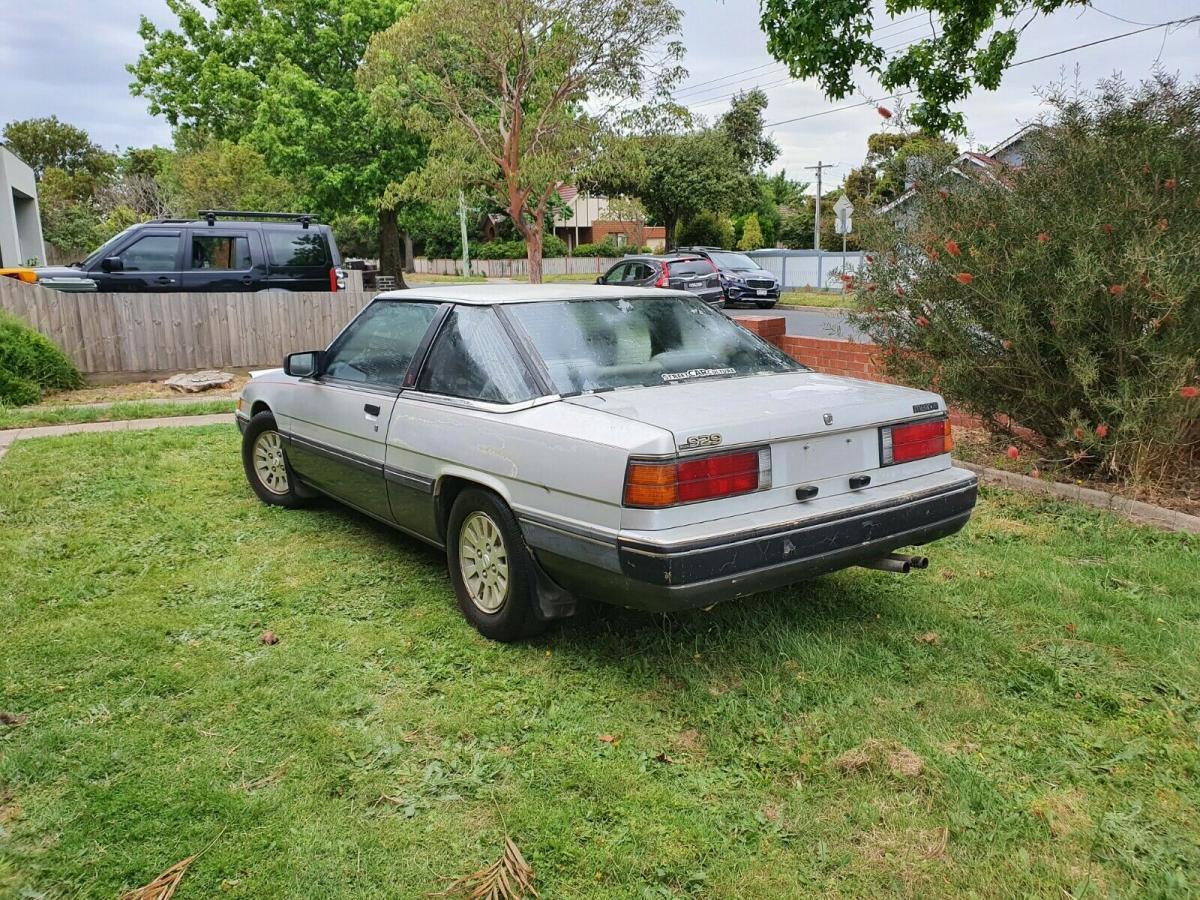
x=885 y=173
x=829 y=39
x=687 y=174
x=279 y=76
x=498 y=90
x=631 y=213
x=223 y=175
x=752 y=236
x=50 y=144
x=1064 y=298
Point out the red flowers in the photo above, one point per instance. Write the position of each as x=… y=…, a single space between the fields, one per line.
x=924 y=323
x=900 y=290
x=1043 y=237
x=1013 y=452
x=1106 y=228
x=1162 y=224
x=935 y=254
x=1187 y=392
x=1102 y=431
x=870 y=286
x=943 y=193
x=1079 y=433
x=964 y=277
x=952 y=248
x=1170 y=184
x=1006 y=344
x=884 y=111
x=1116 y=289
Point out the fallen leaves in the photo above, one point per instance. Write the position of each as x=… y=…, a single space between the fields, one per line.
x=508 y=878
x=268 y=637
x=13 y=719
x=932 y=638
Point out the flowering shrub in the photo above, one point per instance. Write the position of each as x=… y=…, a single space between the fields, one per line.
x=1063 y=296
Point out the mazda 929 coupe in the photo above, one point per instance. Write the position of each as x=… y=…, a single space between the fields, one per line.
x=624 y=445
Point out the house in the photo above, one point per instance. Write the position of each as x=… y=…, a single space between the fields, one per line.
x=590 y=221
x=994 y=165
x=20 y=217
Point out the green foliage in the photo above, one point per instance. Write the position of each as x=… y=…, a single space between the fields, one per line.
x=883 y=174
x=830 y=39
x=357 y=236
x=552 y=246
x=1070 y=302
x=499 y=92
x=30 y=364
x=604 y=248
x=705 y=229
x=752 y=236
x=50 y=144
x=219 y=174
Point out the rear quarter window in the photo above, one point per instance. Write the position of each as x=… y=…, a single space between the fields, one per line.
x=691 y=267
x=296 y=247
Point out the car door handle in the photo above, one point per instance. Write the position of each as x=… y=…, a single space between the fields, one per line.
x=163 y=279
x=371 y=409
x=246 y=279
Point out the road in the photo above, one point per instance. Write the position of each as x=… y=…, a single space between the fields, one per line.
x=813 y=322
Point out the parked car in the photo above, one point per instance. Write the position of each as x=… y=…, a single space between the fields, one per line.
x=693 y=274
x=633 y=447
x=743 y=280
x=220 y=251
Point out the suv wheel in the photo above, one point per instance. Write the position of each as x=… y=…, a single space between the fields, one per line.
x=490 y=567
x=765 y=305
x=266 y=464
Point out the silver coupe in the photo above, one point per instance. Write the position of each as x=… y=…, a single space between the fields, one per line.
x=623 y=445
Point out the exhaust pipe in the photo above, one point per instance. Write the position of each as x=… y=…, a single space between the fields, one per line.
x=897 y=564
x=917 y=562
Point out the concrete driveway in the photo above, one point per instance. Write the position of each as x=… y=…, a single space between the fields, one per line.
x=815 y=322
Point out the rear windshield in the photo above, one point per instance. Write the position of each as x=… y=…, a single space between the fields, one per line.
x=690 y=267
x=296 y=247
x=599 y=345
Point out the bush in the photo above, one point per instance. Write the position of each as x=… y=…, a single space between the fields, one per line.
x=752 y=236
x=1066 y=299
x=706 y=229
x=30 y=364
x=604 y=248
x=552 y=245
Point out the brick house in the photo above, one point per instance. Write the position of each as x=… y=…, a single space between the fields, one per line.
x=589 y=221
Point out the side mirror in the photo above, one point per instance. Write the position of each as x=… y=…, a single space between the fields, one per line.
x=112 y=264
x=306 y=364
x=601 y=280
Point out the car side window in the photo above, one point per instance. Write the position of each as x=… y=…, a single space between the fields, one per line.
x=378 y=348
x=473 y=358
x=296 y=247
x=640 y=272
x=616 y=273
x=152 y=253
x=220 y=252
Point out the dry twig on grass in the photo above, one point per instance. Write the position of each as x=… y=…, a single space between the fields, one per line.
x=163 y=887
x=508 y=878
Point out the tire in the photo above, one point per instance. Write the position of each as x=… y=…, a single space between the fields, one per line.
x=770 y=305
x=498 y=595
x=266 y=464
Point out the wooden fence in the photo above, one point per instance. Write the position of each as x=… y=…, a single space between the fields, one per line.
x=511 y=268
x=119 y=334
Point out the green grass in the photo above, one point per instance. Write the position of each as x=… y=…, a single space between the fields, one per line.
x=416 y=280
x=33 y=416
x=1044 y=671
x=828 y=299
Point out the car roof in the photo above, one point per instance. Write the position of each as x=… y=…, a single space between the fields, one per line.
x=493 y=294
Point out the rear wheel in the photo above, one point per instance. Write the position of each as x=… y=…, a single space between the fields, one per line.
x=491 y=568
x=767 y=305
x=266 y=464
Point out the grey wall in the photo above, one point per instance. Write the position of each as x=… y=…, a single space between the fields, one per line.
x=20 y=218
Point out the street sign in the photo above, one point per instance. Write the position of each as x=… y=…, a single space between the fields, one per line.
x=842 y=211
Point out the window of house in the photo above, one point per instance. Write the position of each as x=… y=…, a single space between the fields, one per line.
x=221 y=252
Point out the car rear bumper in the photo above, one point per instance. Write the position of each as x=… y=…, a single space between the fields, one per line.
x=654 y=571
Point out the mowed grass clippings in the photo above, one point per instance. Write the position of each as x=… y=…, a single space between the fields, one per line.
x=1022 y=719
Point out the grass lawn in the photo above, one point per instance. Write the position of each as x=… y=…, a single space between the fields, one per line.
x=827 y=299
x=417 y=280
x=1023 y=719
x=32 y=416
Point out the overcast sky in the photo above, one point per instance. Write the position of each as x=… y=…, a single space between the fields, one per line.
x=68 y=57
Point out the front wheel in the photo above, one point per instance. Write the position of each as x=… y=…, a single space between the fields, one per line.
x=266 y=464
x=491 y=568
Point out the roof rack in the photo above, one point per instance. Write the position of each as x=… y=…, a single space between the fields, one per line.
x=211 y=216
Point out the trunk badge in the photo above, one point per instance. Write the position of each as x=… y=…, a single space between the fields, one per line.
x=828 y=417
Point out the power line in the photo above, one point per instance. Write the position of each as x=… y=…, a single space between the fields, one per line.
x=1023 y=62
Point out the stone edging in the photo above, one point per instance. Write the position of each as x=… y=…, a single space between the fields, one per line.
x=1133 y=510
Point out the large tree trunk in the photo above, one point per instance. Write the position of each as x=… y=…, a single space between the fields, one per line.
x=533 y=250
x=389 y=246
x=669 y=228
x=408 y=252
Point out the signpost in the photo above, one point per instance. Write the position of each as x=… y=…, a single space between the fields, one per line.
x=843 y=224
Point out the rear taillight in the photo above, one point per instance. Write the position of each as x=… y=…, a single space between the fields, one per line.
x=337 y=280
x=652 y=484
x=664 y=279
x=916 y=440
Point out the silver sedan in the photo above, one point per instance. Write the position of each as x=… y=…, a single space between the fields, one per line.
x=622 y=445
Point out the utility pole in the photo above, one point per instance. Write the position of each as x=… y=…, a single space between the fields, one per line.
x=817 y=223
x=462 y=225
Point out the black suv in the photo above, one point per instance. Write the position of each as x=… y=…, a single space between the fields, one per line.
x=743 y=280
x=680 y=272
x=220 y=251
